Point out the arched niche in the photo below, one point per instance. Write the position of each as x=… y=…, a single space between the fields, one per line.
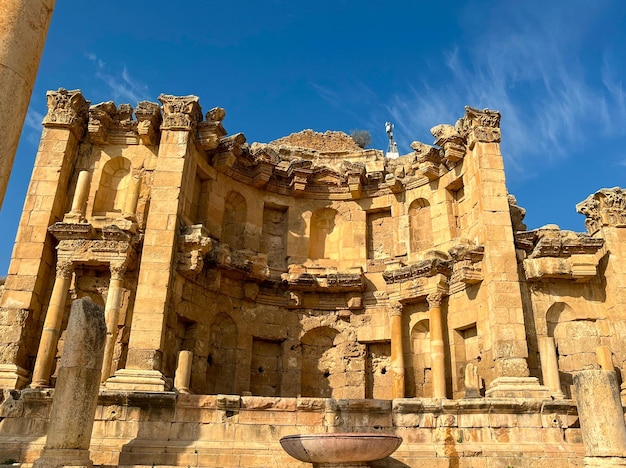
x=420 y=226
x=576 y=337
x=420 y=373
x=222 y=358
x=320 y=361
x=234 y=221
x=114 y=186
x=324 y=237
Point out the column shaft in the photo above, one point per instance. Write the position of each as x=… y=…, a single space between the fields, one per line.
x=23 y=29
x=397 y=352
x=52 y=326
x=437 y=351
x=112 y=317
x=550 y=365
x=183 y=371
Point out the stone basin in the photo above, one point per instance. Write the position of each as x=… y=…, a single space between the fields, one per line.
x=340 y=449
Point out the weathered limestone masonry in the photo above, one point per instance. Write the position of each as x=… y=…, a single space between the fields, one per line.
x=304 y=285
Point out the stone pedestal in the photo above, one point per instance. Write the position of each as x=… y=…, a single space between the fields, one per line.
x=601 y=417
x=76 y=394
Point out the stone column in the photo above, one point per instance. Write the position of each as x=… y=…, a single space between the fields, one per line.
x=52 y=326
x=23 y=29
x=601 y=417
x=76 y=394
x=79 y=202
x=550 y=366
x=112 y=315
x=437 y=351
x=397 y=351
x=183 y=371
x=132 y=197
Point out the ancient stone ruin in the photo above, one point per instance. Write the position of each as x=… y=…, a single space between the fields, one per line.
x=256 y=291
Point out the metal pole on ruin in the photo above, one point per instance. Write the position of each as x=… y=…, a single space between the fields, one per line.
x=23 y=30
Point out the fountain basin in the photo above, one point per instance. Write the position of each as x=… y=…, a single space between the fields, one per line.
x=340 y=448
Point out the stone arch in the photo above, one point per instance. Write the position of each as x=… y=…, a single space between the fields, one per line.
x=114 y=186
x=324 y=237
x=420 y=375
x=420 y=226
x=576 y=338
x=319 y=362
x=234 y=221
x=222 y=357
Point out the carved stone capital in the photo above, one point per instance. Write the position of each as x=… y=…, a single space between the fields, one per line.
x=149 y=120
x=480 y=126
x=67 y=109
x=118 y=269
x=395 y=309
x=434 y=299
x=180 y=112
x=606 y=207
x=64 y=270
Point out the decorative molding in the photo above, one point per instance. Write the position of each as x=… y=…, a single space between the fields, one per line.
x=434 y=299
x=193 y=244
x=606 y=207
x=323 y=279
x=149 y=120
x=180 y=112
x=67 y=109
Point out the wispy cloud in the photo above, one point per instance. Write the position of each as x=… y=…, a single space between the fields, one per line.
x=122 y=87
x=529 y=72
x=32 y=125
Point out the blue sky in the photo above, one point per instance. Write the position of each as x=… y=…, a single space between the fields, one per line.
x=554 y=69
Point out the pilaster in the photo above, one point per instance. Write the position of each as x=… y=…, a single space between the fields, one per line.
x=181 y=116
x=33 y=258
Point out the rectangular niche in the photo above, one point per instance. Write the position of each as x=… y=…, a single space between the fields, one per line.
x=274 y=236
x=378 y=371
x=379 y=235
x=265 y=367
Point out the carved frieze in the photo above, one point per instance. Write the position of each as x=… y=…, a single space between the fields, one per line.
x=67 y=109
x=180 y=112
x=304 y=278
x=606 y=207
x=422 y=269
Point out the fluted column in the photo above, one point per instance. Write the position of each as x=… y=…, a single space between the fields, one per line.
x=52 y=325
x=437 y=351
x=112 y=316
x=23 y=29
x=397 y=351
x=550 y=366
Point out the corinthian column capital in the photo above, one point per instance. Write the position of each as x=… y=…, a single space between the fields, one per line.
x=67 y=109
x=434 y=299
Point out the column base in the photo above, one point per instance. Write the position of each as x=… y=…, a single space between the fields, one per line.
x=55 y=458
x=518 y=387
x=137 y=380
x=13 y=376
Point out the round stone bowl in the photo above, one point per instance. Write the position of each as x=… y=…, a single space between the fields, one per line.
x=338 y=448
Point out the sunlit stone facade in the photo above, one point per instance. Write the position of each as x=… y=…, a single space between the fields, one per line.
x=305 y=285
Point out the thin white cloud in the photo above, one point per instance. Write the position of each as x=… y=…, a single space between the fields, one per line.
x=122 y=87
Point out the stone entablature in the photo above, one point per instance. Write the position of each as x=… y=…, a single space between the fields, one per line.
x=323 y=279
x=553 y=253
